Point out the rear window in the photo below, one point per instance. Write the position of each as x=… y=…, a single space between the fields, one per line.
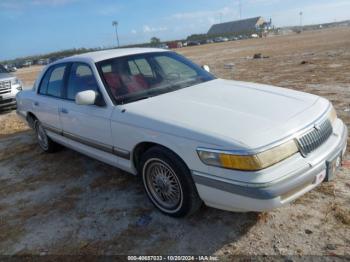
x=56 y=81
x=53 y=82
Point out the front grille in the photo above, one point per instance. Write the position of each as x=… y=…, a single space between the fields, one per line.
x=5 y=87
x=7 y=101
x=315 y=138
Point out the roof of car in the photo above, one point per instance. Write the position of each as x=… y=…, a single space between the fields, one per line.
x=112 y=53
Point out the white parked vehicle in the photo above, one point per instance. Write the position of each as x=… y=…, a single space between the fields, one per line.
x=9 y=87
x=192 y=137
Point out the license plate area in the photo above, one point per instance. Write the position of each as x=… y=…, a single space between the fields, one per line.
x=332 y=167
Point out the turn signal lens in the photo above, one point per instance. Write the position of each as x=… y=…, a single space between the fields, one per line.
x=248 y=162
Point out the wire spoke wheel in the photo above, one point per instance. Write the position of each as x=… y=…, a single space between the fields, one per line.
x=42 y=137
x=163 y=185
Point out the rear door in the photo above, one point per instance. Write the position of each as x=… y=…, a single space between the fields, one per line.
x=87 y=124
x=46 y=103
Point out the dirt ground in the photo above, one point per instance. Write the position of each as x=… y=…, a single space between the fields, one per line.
x=67 y=203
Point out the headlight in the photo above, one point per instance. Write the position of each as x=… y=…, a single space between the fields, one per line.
x=248 y=162
x=16 y=81
x=332 y=115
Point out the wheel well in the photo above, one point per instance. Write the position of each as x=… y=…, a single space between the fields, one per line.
x=31 y=119
x=141 y=148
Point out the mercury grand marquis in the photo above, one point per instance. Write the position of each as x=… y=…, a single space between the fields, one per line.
x=190 y=136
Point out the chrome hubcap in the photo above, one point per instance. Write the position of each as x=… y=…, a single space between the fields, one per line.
x=163 y=184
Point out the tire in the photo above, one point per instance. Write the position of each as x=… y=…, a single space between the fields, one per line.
x=46 y=144
x=168 y=183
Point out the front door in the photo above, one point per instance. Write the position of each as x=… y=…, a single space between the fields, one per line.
x=86 y=124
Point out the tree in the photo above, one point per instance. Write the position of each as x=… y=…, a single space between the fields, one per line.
x=155 y=41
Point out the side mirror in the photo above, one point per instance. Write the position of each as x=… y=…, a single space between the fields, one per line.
x=87 y=97
x=206 y=68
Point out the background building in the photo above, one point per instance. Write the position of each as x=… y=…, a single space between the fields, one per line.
x=240 y=27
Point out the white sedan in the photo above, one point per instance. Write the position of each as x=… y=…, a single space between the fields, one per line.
x=192 y=138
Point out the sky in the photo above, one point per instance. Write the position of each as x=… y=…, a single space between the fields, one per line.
x=31 y=27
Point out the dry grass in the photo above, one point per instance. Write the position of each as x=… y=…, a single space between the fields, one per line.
x=10 y=232
x=110 y=181
x=3 y=207
x=63 y=204
x=28 y=75
x=327 y=188
x=11 y=124
x=342 y=214
x=15 y=150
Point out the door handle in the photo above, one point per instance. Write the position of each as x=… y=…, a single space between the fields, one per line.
x=36 y=103
x=64 y=111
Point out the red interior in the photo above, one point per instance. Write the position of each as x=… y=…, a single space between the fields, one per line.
x=113 y=81
x=136 y=83
x=133 y=83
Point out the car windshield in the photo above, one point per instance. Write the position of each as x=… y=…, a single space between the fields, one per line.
x=136 y=77
x=2 y=69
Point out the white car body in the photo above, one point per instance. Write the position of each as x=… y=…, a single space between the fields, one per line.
x=220 y=114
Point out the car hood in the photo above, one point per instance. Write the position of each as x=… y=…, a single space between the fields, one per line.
x=6 y=76
x=232 y=114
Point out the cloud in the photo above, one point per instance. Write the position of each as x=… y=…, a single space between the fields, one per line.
x=133 y=31
x=207 y=17
x=313 y=13
x=149 y=29
x=225 y=11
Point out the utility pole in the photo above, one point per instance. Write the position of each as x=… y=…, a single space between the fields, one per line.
x=301 y=21
x=115 y=24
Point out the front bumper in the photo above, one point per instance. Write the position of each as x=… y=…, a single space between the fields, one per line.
x=8 y=100
x=229 y=195
x=7 y=103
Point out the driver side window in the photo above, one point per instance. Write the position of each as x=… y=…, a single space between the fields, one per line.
x=81 y=79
